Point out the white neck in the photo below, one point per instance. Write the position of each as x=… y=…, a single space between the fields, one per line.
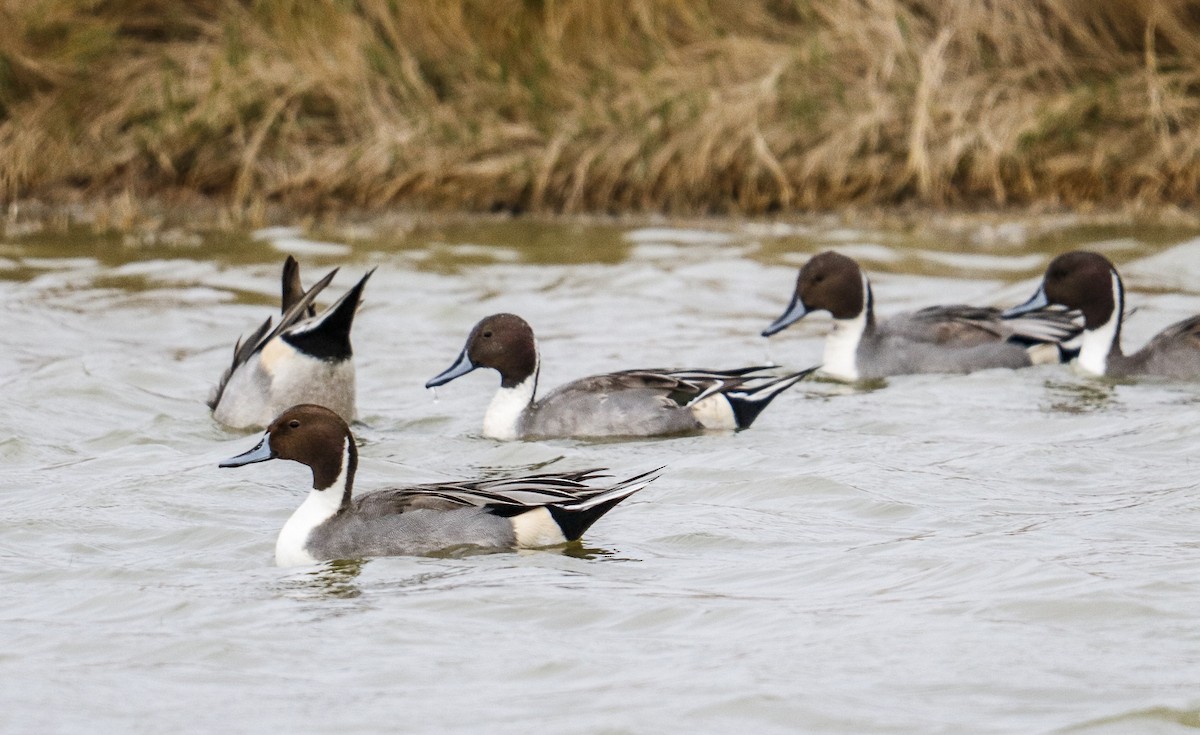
x=503 y=417
x=1097 y=344
x=291 y=548
x=841 y=346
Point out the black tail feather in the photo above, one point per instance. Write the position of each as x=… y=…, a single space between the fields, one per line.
x=748 y=403
x=574 y=522
x=329 y=337
x=293 y=289
x=1067 y=354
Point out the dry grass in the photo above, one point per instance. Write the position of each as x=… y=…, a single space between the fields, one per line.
x=567 y=105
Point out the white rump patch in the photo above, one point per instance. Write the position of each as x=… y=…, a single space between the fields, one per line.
x=537 y=528
x=714 y=412
x=1044 y=354
x=277 y=356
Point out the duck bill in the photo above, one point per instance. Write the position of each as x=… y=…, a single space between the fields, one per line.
x=461 y=367
x=261 y=453
x=795 y=312
x=1035 y=302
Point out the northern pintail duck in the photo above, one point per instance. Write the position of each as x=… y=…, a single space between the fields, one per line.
x=629 y=403
x=306 y=358
x=1088 y=282
x=936 y=339
x=508 y=513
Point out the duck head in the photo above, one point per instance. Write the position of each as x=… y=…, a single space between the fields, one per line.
x=503 y=342
x=828 y=282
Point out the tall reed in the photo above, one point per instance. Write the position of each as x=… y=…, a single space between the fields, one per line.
x=574 y=105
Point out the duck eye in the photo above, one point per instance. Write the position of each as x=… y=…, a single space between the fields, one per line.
x=294 y=423
x=487 y=334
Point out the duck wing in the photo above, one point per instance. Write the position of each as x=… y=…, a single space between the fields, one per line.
x=959 y=325
x=507 y=496
x=680 y=387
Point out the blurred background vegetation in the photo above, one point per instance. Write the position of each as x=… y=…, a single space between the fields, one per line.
x=679 y=106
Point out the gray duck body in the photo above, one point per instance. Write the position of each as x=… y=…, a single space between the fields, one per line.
x=375 y=527
x=940 y=339
x=937 y=339
x=492 y=514
x=306 y=358
x=1172 y=353
x=630 y=403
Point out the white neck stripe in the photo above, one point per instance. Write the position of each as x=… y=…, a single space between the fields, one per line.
x=502 y=420
x=841 y=345
x=1097 y=344
x=291 y=548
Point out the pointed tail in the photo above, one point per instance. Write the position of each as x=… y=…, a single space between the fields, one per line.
x=327 y=336
x=575 y=518
x=293 y=289
x=749 y=399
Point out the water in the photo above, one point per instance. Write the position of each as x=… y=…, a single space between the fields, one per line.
x=1001 y=552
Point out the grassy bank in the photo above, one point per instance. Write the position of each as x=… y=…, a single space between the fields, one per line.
x=647 y=105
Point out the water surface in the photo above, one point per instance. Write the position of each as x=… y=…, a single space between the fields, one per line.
x=1000 y=552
